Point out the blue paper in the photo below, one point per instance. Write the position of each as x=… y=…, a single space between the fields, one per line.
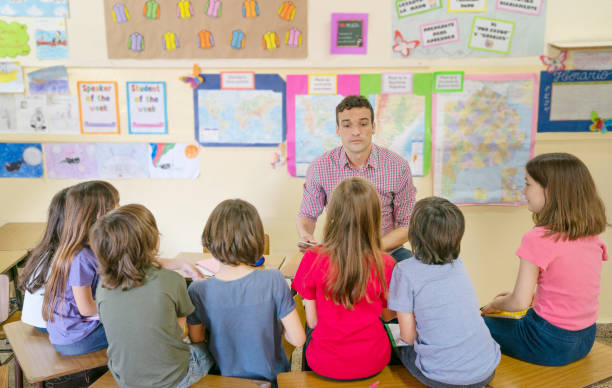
x=21 y=160
x=34 y=8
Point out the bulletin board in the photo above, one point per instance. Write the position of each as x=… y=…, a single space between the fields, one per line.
x=190 y=29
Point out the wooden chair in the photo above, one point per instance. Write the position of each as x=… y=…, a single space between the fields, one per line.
x=266 y=245
x=210 y=381
x=39 y=361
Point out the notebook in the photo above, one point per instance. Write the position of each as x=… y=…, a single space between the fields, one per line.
x=393 y=331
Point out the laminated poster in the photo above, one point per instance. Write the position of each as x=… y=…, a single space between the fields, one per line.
x=98 y=104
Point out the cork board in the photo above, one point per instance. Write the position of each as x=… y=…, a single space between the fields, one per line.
x=135 y=31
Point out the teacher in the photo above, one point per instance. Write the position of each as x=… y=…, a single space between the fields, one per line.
x=358 y=156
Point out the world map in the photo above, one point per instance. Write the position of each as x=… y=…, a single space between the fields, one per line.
x=483 y=138
x=240 y=117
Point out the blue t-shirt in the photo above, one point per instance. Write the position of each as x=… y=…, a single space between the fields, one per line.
x=68 y=325
x=453 y=344
x=242 y=321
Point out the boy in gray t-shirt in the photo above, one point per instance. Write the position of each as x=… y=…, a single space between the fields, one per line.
x=436 y=304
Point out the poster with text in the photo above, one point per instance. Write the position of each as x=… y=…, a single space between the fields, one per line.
x=467 y=28
x=147 y=108
x=98 y=104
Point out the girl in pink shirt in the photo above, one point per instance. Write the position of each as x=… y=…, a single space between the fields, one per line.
x=562 y=255
x=344 y=285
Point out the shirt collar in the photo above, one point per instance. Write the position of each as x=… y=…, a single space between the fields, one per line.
x=372 y=159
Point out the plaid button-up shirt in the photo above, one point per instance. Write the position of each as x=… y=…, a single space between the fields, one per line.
x=386 y=170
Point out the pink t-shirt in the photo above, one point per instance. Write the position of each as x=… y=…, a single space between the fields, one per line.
x=346 y=344
x=569 y=279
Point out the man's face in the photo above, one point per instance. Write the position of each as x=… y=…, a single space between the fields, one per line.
x=355 y=128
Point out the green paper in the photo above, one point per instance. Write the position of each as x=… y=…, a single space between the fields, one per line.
x=13 y=39
x=370 y=84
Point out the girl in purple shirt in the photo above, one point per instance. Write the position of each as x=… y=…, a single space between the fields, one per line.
x=69 y=307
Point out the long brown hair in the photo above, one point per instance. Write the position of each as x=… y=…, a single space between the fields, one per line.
x=572 y=209
x=85 y=202
x=125 y=242
x=234 y=233
x=351 y=239
x=34 y=274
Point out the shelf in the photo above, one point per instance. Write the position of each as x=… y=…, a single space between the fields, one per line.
x=581 y=44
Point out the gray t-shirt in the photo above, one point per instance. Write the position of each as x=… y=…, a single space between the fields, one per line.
x=144 y=338
x=453 y=344
x=242 y=321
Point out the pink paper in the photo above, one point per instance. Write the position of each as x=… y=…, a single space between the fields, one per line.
x=211 y=264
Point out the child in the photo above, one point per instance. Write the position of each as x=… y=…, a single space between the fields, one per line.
x=69 y=307
x=436 y=304
x=344 y=286
x=140 y=305
x=244 y=310
x=563 y=256
x=34 y=275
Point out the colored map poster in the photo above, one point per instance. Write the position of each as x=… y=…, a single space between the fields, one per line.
x=21 y=160
x=71 y=160
x=451 y=28
x=402 y=109
x=253 y=117
x=173 y=160
x=483 y=137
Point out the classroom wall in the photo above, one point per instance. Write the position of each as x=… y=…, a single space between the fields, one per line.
x=181 y=207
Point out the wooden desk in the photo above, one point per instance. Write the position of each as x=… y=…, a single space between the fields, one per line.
x=21 y=235
x=8 y=264
x=210 y=381
x=291 y=265
x=272 y=261
x=390 y=377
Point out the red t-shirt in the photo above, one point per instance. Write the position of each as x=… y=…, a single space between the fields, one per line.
x=346 y=344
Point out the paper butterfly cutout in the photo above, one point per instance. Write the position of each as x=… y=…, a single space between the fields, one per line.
x=554 y=64
x=196 y=79
x=402 y=46
x=600 y=124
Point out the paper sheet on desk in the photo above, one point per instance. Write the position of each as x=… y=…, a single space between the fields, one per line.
x=209 y=266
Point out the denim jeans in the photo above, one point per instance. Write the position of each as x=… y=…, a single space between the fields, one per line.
x=200 y=362
x=408 y=356
x=534 y=340
x=95 y=340
x=400 y=254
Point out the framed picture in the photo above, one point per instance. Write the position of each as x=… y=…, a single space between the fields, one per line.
x=349 y=33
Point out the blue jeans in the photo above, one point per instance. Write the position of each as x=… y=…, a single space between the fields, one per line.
x=95 y=340
x=408 y=357
x=400 y=254
x=534 y=340
x=200 y=362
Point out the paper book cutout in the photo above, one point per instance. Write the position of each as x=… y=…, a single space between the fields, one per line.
x=238 y=39
x=554 y=64
x=151 y=10
x=184 y=10
x=287 y=11
x=270 y=41
x=136 y=42
x=403 y=46
x=170 y=41
x=120 y=13
x=293 y=38
x=205 y=39
x=250 y=9
x=213 y=8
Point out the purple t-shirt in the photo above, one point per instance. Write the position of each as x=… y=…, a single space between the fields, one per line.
x=70 y=326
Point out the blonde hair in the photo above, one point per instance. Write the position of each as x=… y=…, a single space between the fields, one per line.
x=572 y=208
x=85 y=202
x=351 y=239
x=125 y=242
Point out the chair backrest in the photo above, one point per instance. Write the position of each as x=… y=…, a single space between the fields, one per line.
x=266 y=245
x=4 y=297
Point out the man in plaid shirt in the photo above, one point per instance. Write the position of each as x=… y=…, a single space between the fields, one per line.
x=358 y=156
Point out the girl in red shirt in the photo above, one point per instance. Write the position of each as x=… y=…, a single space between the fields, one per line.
x=344 y=284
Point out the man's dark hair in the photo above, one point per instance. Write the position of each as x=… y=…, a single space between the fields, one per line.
x=350 y=102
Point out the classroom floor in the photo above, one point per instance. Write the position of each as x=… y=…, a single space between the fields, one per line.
x=604 y=336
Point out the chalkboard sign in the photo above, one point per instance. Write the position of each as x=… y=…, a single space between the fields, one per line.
x=349 y=33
